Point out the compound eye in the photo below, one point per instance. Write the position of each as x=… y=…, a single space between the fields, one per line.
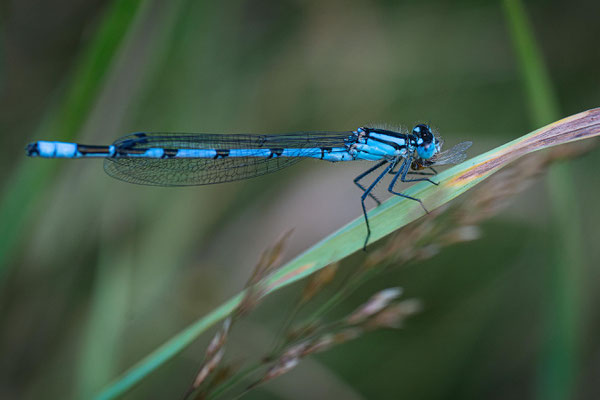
x=422 y=131
x=418 y=129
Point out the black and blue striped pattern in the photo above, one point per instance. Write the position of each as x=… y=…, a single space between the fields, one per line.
x=179 y=159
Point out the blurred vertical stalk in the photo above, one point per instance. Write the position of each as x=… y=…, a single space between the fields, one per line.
x=559 y=358
x=63 y=122
x=142 y=53
x=106 y=319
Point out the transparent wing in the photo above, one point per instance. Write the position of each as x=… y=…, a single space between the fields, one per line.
x=454 y=155
x=205 y=171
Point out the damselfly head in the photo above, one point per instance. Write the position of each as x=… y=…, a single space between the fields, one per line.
x=427 y=144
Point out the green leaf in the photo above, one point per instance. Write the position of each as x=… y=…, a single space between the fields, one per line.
x=385 y=219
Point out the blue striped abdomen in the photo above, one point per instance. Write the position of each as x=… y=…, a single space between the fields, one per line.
x=48 y=149
x=181 y=159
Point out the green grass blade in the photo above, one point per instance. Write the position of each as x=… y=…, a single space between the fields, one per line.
x=390 y=216
x=558 y=363
x=63 y=123
x=542 y=100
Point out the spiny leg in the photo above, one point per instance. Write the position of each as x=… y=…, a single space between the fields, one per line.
x=367 y=172
x=402 y=174
x=364 y=197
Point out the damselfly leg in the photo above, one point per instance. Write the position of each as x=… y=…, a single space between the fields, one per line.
x=402 y=175
x=406 y=165
x=364 y=196
x=367 y=172
x=433 y=173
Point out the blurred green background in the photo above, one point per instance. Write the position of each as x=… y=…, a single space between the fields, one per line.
x=96 y=273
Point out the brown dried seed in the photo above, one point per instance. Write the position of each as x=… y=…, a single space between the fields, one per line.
x=208 y=367
x=375 y=304
x=347 y=334
x=295 y=351
x=277 y=370
x=394 y=315
x=268 y=259
x=318 y=281
x=219 y=339
x=252 y=298
x=464 y=233
x=321 y=344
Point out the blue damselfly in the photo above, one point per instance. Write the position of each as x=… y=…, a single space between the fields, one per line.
x=183 y=159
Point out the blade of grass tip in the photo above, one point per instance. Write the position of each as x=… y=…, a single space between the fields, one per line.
x=393 y=214
x=558 y=365
x=62 y=122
